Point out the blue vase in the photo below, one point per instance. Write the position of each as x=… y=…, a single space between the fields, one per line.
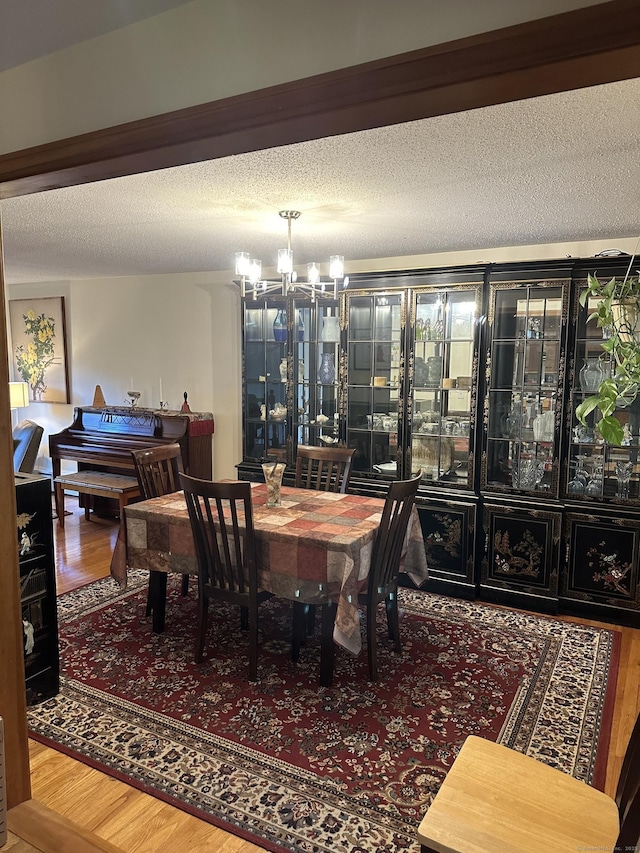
x=327 y=370
x=280 y=326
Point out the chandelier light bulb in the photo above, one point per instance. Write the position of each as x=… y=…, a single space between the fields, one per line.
x=242 y=263
x=313 y=273
x=285 y=261
x=255 y=270
x=336 y=266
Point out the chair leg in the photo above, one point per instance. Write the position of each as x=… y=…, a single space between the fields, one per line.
x=203 y=606
x=244 y=619
x=253 y=642
x=372 y=642
x=393 y=621
x=311 y=620
x=327 y=646
x=185 y=584
x=298 y=629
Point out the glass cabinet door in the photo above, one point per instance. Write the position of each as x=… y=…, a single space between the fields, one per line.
x=525 y=370
x=265 y=374
x=596 y=470
x=373 y=381
x=442 y=398
x=316 y=374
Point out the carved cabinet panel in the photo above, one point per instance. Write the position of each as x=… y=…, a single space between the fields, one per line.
x=602 y=562
x=521 y=555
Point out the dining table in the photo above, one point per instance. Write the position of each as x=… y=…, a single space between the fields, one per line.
x=314 y=549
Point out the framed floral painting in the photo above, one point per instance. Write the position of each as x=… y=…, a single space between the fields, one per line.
x=39 y=347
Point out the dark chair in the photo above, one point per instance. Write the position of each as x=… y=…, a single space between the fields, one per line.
x=496 y=798
x=385 y=566
x=326 y=469
x=157 y=470
x=226 y=555
x=27 y=436
x=323 y=468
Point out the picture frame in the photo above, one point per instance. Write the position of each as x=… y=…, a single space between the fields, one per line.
x=39 y=347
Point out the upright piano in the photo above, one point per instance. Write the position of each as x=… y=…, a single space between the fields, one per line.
x=101 y=439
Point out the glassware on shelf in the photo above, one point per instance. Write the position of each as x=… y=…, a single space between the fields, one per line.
x=624 y=471
x=595 y=486
x=578 y=483
x=300 y=326
x=527 y=473
x=592 y=373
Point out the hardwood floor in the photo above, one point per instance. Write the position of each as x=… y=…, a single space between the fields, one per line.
x=139 y=823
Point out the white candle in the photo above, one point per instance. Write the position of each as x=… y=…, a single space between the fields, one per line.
x=161 y=397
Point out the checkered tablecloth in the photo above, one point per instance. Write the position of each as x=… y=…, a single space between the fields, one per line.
x=313 y=548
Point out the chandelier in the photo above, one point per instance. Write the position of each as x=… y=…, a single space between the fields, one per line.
x=250 y=271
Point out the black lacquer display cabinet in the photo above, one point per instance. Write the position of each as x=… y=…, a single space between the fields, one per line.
x=37 y=586
x=471 y=375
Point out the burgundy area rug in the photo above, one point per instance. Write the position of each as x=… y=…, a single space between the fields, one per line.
x=293 y=766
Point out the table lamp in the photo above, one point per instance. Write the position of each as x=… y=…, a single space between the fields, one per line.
x=18 y=395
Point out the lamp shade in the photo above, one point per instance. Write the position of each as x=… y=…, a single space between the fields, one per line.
x=18 y=395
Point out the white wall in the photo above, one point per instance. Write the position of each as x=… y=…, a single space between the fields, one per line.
x=212 y=49
x=185 y=329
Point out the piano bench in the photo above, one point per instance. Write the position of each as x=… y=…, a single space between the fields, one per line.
x=124 y=489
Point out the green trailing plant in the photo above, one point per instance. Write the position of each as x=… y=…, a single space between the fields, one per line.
x=616 y=312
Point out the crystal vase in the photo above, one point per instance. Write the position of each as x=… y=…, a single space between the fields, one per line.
x=327 y=370
x=592 y=373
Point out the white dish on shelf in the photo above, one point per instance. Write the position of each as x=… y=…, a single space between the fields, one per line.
x=386 y=468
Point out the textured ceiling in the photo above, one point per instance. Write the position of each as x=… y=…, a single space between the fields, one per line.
x=552 y=169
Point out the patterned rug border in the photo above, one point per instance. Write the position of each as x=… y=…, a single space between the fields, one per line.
x=562 y=639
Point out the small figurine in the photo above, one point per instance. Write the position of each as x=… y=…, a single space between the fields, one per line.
x=29 y=641
x=25 y=544
x=185 y=405
x=627 y=436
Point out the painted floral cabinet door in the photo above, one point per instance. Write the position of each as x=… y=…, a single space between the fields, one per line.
x=602 y=563
x=521 y=553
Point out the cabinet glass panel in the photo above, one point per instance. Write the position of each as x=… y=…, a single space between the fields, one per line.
x=265 y=386
x=597 y=471
x=442 y=379
x=373 y=402
x=316 y=373
x=522 y=377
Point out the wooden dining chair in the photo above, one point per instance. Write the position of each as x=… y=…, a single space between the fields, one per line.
x=157 y=470
x=325 y=469
x=494 y=798
x=385 y=566
x=226 y=555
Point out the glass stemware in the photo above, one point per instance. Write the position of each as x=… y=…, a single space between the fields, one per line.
x=623 y=473
x=578 y=483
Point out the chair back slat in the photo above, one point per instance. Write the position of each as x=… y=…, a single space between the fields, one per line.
x=221 y=517
x=387 y=549
x=628 y=793
x=158 y=469
x=326 y=469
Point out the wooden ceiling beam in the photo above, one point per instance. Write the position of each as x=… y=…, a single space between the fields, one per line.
x=594 y=45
